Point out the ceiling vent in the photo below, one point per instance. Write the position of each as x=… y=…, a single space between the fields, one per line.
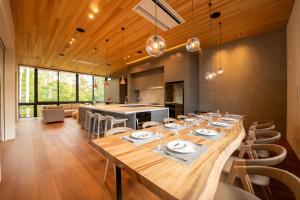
x=167 y=17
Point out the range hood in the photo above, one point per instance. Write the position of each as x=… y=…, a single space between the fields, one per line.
x=167 y=17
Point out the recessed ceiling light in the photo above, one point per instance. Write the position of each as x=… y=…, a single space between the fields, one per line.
x=95 y=10
x=128 y=56
x=239 y=34
x=215 y=15
x=139 y=52
x=61 y=54
x=70 y=42
x=91 y=16
x=73 y=39
x=80 y=30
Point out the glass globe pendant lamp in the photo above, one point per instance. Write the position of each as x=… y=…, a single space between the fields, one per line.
x=155 y=45
x=193 y=44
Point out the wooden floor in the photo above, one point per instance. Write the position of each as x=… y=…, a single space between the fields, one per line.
x=55 y=161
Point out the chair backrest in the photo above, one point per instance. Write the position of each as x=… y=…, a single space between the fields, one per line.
x=263 y=137
x=150 y=124
x=181 y=117
x=99 y=116
x=263 y=123
x=89 y=114
x=169 y=120
x=278 y=151
x=109 y=117
x=118 y=130
x=290 y=180
x=267 y=125
x=192 y=115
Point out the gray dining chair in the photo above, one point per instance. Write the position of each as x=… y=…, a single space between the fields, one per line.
x=100 y=125
x=114 y=131
x=114 y=121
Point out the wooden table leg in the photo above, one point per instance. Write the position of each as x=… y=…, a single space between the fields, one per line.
x=118 y=183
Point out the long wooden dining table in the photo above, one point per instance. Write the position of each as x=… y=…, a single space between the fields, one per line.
x=168 y=178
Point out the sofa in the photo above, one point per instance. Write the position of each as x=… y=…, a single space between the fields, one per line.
x=70 y=108
x=52 y=113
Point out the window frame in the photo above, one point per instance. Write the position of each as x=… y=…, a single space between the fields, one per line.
x=57 y=102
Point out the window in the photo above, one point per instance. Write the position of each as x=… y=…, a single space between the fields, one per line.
x=40 y=87
x=99 y=89
x=26 y=84
x=47 y=85
x=26 y=111
x=67 y=86
x=85 y=87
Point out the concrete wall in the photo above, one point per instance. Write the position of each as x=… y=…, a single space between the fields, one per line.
x=8 y=38
x=293 y=77
x=179 y=65
x=254 y=81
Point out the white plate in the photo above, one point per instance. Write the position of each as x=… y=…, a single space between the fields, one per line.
x=228 y=119
x=189 y=120
x=141 y=134
x=222 y=124
x=234 y=116
x=206 y=132
x=172 y=126
x=182 y=146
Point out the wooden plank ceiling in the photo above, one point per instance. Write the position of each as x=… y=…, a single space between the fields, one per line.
x=45 y=27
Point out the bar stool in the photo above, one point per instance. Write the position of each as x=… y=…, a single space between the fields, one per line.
x=89 y=116
x=100 y=125
x=114 y=121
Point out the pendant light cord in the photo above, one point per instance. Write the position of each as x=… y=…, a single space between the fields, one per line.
x=106 y=57
x=220 y=47
x=122 y=46
x=155 y=18
x=95 y=57
x=193 y=28
x=210 y=32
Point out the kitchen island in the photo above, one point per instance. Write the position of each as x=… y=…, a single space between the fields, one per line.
x=135 y=113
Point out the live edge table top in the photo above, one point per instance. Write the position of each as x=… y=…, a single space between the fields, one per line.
x=168 y=178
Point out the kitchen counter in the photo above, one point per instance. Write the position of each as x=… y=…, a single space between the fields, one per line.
x=126 y=108
x=135 y=113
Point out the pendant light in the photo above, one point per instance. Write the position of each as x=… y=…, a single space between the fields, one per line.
x=106 y=83
x=220 y=70
x=155 y=45
x=123 y=81
x=95 y=63
x=193 y=44
x=210 y=75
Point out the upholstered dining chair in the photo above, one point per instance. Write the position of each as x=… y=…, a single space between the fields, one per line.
x=278 y=151
x=114 y=131
x=182 y=117
x=150 y=124
x=243 y=171
x=169 y=120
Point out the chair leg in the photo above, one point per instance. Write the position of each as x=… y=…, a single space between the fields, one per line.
x=269 y=189
x=265 y=192
x=106 y=169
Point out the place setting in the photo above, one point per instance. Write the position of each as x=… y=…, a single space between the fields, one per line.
x=172 y=127
x=181 y=150
x=142 y=137
x=207 y=133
